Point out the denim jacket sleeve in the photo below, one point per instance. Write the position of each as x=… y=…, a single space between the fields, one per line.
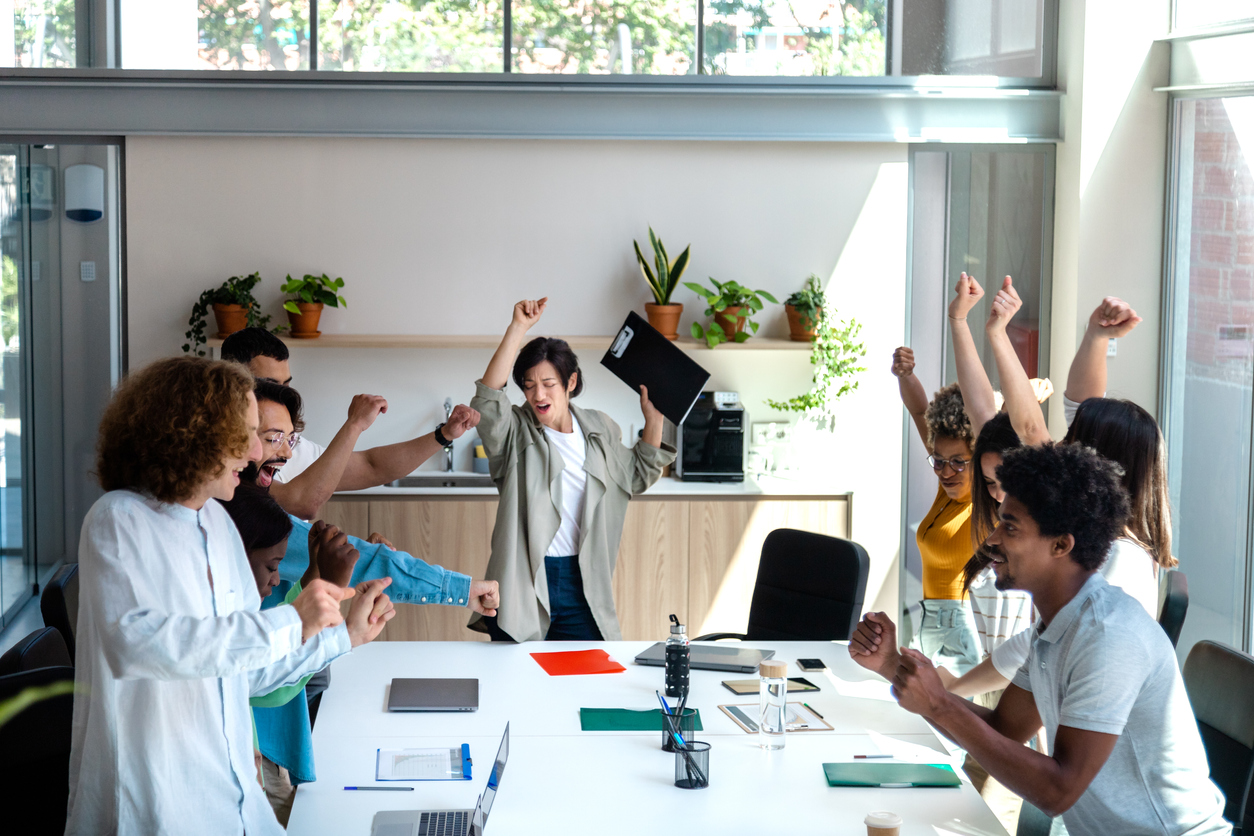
x=414 y=581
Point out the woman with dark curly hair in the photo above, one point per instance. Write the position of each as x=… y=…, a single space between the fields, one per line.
x=565 y=479
x=171 y=639
x=947 y=633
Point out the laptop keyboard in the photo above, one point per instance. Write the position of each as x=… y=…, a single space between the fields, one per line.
x=444 y=824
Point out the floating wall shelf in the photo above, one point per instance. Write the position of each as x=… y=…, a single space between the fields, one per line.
x=491 y=341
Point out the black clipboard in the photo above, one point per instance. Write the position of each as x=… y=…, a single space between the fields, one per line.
x=641 y=356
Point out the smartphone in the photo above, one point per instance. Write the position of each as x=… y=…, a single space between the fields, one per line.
x=811 y=664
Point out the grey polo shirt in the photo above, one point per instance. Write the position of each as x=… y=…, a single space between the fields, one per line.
x=1104 y=665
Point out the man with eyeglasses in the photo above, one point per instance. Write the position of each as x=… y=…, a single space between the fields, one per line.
x=305 y=476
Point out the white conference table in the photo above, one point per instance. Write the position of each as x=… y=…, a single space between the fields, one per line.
x=561 y=779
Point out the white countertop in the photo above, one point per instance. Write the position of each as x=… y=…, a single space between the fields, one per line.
x=563 y=780
x=666 y=486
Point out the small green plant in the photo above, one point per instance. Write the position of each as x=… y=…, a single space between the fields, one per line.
x=728 y=295
x=237 y=290
x=312 y=289
x=835 y=358
x=808 y=302
x=663 y=277
x=27 y=697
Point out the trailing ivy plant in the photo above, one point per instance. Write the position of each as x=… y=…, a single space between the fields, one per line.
x=312 y=289
x=728 y=295
x=237 y=290
x=808 y=302
x=663 y=278
x=835 y=358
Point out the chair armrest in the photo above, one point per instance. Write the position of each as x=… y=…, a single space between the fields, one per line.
x=713 y=637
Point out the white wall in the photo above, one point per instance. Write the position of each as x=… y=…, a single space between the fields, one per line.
x=443 y=236
x=1111 y=175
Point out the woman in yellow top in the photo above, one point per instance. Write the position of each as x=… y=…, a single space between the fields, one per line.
x=947 y=634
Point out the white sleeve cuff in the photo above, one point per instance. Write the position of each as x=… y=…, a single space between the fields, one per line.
x=284 y=625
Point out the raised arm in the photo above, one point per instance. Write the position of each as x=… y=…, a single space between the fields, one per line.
x=526 y=314
x=911 y=388
x=1111 y=319
x=1025 y=413
x=309 y=491
x=977 y=393
x=380 y=465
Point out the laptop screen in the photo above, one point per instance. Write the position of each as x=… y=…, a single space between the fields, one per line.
x=494 y=780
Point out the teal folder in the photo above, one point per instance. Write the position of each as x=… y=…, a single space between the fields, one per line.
x=881 y=774
x=626 y=719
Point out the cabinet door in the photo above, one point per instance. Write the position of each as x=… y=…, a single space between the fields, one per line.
x=350 y=515
x=725 y=544
x=455 y=534
x=651 y=577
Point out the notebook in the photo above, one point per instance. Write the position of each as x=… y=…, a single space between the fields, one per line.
x=434 y=695
x=890 y=774
x=640 y=355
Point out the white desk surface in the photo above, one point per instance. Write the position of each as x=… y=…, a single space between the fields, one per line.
x=561 y=779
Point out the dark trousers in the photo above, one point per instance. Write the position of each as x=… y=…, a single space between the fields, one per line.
x=570 y=617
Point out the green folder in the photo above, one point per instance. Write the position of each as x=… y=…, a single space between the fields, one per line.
x=625 y=719
x=881 y=774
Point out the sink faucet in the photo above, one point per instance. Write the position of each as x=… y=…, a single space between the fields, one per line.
x=448 y=451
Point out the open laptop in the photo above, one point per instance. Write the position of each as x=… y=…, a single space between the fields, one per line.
x=711 y=657
x=434 y=695
x=446 y=822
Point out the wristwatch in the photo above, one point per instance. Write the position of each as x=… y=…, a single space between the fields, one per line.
x=439 y=437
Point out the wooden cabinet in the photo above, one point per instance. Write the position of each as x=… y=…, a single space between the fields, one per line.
x=697 y=558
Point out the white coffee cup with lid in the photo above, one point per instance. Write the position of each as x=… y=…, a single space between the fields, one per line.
x=883 y=824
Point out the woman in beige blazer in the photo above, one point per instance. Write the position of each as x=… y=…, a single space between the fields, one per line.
x=564 y=478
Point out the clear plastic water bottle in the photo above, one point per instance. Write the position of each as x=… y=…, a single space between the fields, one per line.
x=677 y=661
x=772 y=703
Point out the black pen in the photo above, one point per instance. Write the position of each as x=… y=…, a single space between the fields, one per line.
x=816 y=714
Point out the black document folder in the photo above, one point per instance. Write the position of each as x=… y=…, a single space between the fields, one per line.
x=641 y=356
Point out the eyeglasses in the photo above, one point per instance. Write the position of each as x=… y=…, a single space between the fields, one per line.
x=958 y=465
x=279 y=439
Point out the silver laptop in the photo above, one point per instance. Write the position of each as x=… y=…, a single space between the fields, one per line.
x=434 y=695
x=711 y=657
x=446 y=822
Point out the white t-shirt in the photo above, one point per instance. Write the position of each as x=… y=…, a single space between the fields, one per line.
x=1127 y=566
x=305 y=454
x=999 y=614
x=1103 y=665
x=572 y=447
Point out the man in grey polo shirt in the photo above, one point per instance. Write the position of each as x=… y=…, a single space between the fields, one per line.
x=1126 y=757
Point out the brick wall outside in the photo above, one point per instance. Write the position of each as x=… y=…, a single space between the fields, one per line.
x=1221 y=256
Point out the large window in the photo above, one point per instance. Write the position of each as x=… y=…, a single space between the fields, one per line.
x=764 y=38
x=37 y=33
x=1209 y=365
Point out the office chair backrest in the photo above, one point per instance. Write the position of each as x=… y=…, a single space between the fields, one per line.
x=1220 y=684
x=59 y=603
x=35 y=769
x=1175 y=604
x=43 y=648
x=810 y=587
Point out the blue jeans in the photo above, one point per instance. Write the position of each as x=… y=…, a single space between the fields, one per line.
x=570 y=617
x=948 y=636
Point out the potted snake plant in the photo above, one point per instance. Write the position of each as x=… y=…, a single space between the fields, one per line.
x=663 y=278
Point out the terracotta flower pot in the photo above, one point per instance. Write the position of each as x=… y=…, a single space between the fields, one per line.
x=796 y=331
x=665 y=318
x=730 y=326
x=230 y=318
x=305 y=323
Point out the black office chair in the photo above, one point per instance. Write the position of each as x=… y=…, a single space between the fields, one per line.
x=1175 y=604
x=1220 y=684
x=43 y=648
x=35 y=769
x=59 y=603
x=810 y=587
x=1032 y=822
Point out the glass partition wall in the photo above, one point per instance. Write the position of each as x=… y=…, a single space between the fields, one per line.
x=987 y=211
x=60 y=321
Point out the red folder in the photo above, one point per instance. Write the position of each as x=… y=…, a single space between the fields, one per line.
x=577 y=662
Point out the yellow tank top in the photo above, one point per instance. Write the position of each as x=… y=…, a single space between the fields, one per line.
x=945 y=543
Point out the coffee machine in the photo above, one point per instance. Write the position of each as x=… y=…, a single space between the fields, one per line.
x=711 y=440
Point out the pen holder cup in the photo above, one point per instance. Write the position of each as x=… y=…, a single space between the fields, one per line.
x=685 y=725
x=692 y=765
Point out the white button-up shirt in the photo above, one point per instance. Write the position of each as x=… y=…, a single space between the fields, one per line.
x=166 y=662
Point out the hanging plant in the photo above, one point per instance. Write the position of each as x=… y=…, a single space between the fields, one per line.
x=835 y=358
x=235 y=291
